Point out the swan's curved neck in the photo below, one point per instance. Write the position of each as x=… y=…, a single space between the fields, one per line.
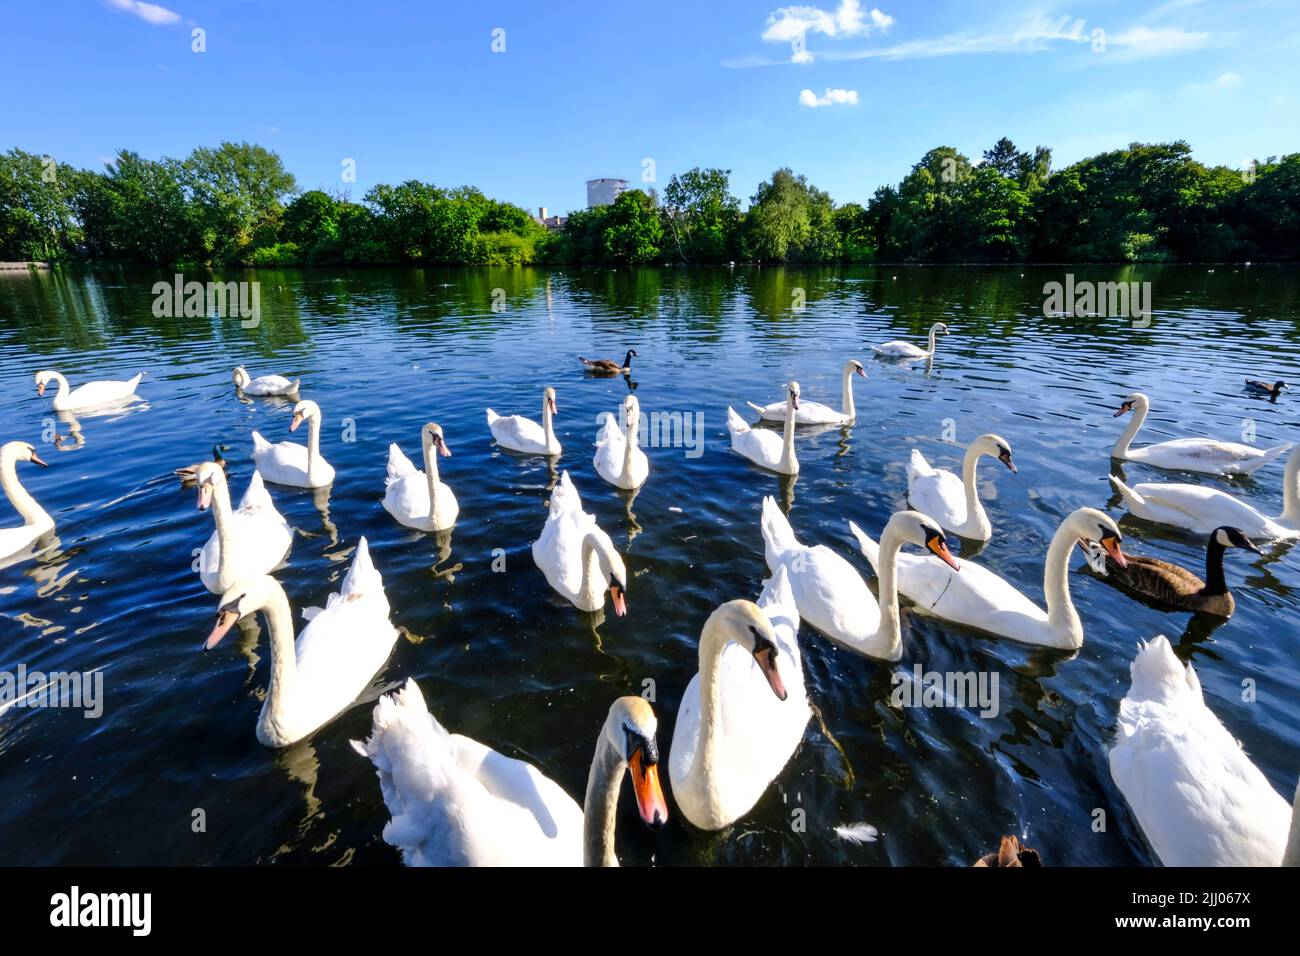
x=629 y=446
x=787 y=434
x=1291 y=489
x=703 y=776
x=934 y=332
x=975 y=513
x=284 y=661
x=221 y=511
x=63 y=385
x=431 y=475
x=1123 y=441
x=1062 y=617
x=600 y=805
x=547 y=426
x=26 y=506
x=889 y=633
x=313 y=444
x=846 y=393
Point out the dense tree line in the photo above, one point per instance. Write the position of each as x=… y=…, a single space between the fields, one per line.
x=237 y=204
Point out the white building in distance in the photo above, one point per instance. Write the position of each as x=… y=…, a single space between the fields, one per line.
x=603 y=192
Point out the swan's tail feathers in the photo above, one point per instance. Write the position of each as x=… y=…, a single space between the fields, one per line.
x=293 y=388
x=256 y=496
x=777 y=600
x=918 y=467
x=565 y=496
x=363 y=579
x=870 y=549
x=758 y=408
x=1159 y=675
x=135 y=382
x=608 y=431
x=778 y=536
x=1131 y=496
x=1279 y=451
x=735 y=424
x=398 y=464
x=878 y=350
x=492 y=417
x=259 y=443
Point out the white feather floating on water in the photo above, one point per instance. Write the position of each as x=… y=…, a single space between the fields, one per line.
x=857 y=832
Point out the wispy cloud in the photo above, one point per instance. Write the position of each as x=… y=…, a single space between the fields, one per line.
x=148 y=12
x=829 y=98
x=1141 y=42
x=793 y=25
x=1222 y=82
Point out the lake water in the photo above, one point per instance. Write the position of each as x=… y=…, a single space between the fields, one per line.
x=500 y=658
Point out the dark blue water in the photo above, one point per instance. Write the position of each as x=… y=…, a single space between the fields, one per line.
x=500 y=658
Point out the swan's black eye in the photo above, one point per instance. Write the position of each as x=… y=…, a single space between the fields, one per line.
x=635 y=740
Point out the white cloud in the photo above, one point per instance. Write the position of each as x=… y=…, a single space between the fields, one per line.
x=1142 y=42
x=148 y=12
x=829 y=98
x=848 y=19
x=1228 y=80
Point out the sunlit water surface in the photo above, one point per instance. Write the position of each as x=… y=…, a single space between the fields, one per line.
x=501 y=659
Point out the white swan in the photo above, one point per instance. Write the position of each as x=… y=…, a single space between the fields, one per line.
x=619 y=459
x=830 y=594
x=711 y=785
x=981 y=599
x=246 y=543
x=955 y=502
x=337 y=654
x=288 y=463
x=1204 y=509
x=815 y=413
x=577 y=557
x=752 y=732
x=90 y=395
x=906 y=350
x=1199 y=799
x=36 y=521
x=523 y=434
x=264 y=384
x=761 y=445
x=409 y=492
x=1188 y=454
x=457 y=802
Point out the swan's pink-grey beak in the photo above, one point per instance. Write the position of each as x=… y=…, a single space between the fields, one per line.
x=620 y=601
x=225 y=621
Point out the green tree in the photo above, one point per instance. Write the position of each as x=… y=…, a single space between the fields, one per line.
x=137 y=210
x=239 y=193
x=633 y=232
x=37 y=217
x=701 y=217
x=790 y=221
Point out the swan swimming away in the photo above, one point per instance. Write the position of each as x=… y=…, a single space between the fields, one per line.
x=980 y=599
x=90 y=395
x=815 y=413
x=830 y=594
x=457 y=802
x=1204 y=455
x=577 y=557
x=420 y=499
x=251 y=541
x=264 y=384
x=340 y=650
x=1201 y=509
x=1198 y=798
x=14 y=542
x=525 y=435
x=760 y=445
x=619 y=459
x=288 y=463
x=751 y=728
x=954 y=502
x=899 y=349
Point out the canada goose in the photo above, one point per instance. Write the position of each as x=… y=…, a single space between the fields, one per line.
x=1172 y=585
x=1272 y=391
x=188 y=473
x=609 y=366
x=1011 y=852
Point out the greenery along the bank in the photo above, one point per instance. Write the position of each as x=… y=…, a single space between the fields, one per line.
x=238 y=204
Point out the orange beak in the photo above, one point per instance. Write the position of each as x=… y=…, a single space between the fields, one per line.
x=862 y=372
x=940 y=547
x=795 y=399
x=1123 y=410
x=555 y=409
x=767 y=664
x=36 y=460
x=40 y=388
x=225 y=621
x=297 y=420
x=620 y=600
x=443 y=449
x=649 y=795
x=1112 y=548
x=205 y=495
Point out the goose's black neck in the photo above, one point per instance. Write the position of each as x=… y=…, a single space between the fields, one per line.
x=627 y=359
x=1214 y=580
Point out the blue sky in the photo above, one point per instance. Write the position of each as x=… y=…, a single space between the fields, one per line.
x=414 y=89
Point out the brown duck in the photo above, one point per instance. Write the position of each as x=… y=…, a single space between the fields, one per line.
x=1272 y=391
x=609 y=366
x=187 y=473
x=1011 y=852
x=1172 y=585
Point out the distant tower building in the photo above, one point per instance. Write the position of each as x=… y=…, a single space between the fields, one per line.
x=603 y=192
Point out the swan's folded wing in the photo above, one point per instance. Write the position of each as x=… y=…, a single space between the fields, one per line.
x=735 y=424
x=398 y=464
x=940 y=495
x=917 y=466
x=609 y=433
x=256 y=497
x=519 y=784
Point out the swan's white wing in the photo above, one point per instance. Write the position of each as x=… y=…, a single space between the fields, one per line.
x=398 y=464
x=1206 y=454
x=938 y=493
x=284 y=462
x=268 y=385
x=830 y=594
x=973 y=596
x=101 y=393
x=515 y=431
x=1201 y=509
x=899 y=349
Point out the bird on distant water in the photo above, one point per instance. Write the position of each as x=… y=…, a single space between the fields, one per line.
x=609 y=366
x=1273 y=391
